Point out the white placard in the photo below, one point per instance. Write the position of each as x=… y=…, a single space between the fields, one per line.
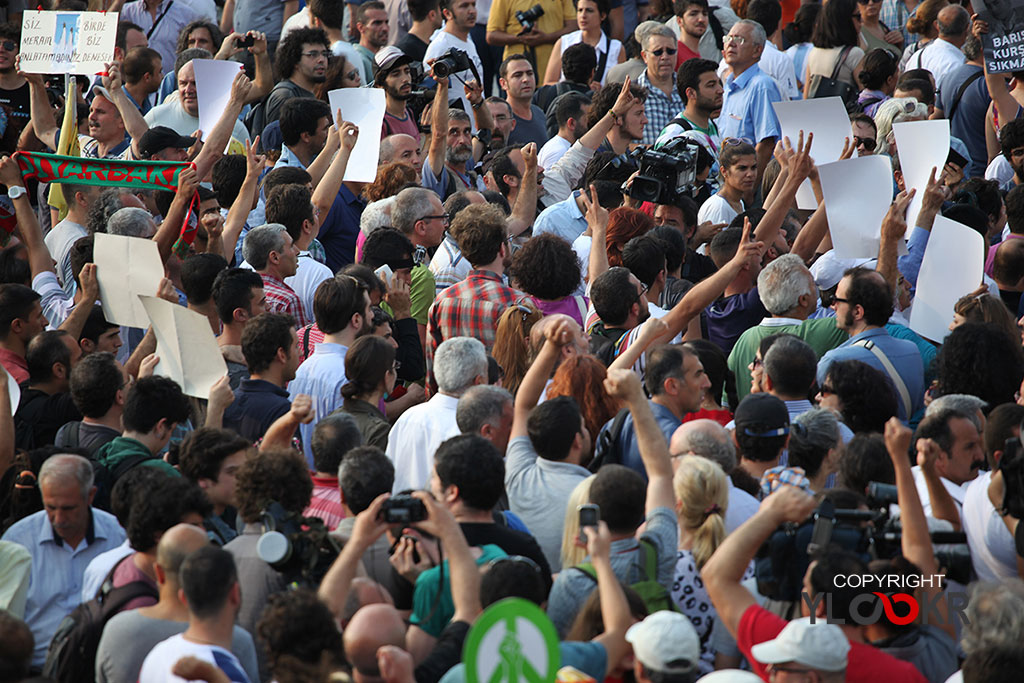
x=365 y=108
x=213 y=89
x=857 y=194
x=922 y=146
x=126 y=268
x=67 y=42
x=186 y=346
x=826 y=117
x=952 y=267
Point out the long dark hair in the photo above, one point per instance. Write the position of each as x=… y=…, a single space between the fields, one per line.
x=367 y=363
x=834 y=26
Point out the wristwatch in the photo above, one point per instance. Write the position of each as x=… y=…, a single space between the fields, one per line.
x=16 y=191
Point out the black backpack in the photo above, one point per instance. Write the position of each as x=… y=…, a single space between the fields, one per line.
x=605 y=343
x=606 y=450
x=105 y=478
x=72 y=654
x=256 y=119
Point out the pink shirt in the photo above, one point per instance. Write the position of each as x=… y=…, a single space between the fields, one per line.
x=992 y=253
x=126 y=573
x=15 y=366
x=325 y=502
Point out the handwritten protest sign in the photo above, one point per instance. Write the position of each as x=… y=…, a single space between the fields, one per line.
x=67 y=42
x=1004 y=42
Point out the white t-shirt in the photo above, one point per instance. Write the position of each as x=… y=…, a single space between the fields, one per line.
x=441 y=42
x=553 y=150
x=162 y=658
x=993 y=551
x=717 y=210
x=581 y=245
x=174 y=116
x=307 y=278
x=59 y=241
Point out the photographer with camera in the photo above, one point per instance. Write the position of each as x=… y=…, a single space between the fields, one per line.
x=752 y=624
x=526 y=26
x=378 y=625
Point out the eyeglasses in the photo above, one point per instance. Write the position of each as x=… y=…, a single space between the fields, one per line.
x=443 y=217
x=662 y=50
x=9 y=45
x=840 y=300
x=313 y=54
x=739 y=40
x=869 y=143
x=869 y=2
x=826 y=389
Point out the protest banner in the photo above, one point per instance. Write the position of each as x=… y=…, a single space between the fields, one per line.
x=67 y=42
x=1004 y=42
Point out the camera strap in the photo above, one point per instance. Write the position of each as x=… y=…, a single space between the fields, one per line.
x=603 y=61
x=890 y=369
x=152 y=29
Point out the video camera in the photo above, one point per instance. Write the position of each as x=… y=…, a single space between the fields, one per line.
x=782 y=561
x=665 y=173
x=300 y=548
x=528 y=19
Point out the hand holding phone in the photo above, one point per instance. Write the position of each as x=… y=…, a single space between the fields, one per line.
x=590 y=515
x=384 y=273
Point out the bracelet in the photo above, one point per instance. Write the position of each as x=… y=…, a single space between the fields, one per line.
x=477 y=106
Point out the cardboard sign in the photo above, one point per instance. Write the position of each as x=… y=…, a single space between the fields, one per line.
x=67 y=42
x=1004 y=42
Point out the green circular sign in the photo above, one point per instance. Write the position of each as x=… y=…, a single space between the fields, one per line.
x=513 y=641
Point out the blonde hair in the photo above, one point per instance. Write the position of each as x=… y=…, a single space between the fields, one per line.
x=895 y=110
x=702 y=492
x=572 y=554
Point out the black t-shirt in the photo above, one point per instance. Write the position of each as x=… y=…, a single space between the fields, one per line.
x=447 y=653
x=17 y=101
x=413 y=47
x=40 y=415
x=511 y=541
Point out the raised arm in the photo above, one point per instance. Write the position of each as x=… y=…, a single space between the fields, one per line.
x=943 y=505
x=337 y=581
x=625 y=384
x=264 y=75
x=593 y=138
x=39 y=258
x=810 y=236
x=218 y=138
x=43 y=120
x=558 y=335
x=282 y=431
x=800 y=166
x=723 y=572
x=323 y=160
x=170 y=229
x=239 y=211
x=651 y=330
x=597 y=224
x=329 y=186
x=438 y=127
x=525 y=210
x=134 y=124
x=894 y=226
x=615 y=612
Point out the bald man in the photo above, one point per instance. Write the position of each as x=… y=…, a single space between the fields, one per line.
x=364 y=592
x=128 y=637
x=711 y=440
x=401 y=148
x=372 y=627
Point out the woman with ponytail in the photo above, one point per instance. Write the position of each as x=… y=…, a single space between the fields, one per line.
x=702 y=496
x=371 y=371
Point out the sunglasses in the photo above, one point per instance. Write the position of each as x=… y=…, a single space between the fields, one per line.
x=662 y=50
x=9 y=45
x=739 y=40
x=869 y=143
x=731 y=142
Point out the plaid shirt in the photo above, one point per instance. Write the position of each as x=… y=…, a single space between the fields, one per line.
x=470 y=308
x=659 y=107
x=282 y=299
x=894 y=15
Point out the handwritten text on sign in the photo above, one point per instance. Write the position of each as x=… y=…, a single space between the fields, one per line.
x=67 y=42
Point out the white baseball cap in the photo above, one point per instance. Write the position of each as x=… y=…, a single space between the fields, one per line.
x=730 y=676
x=665 y=642
x=819 y=645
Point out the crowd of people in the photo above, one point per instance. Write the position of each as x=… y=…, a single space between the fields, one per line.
x=676 y=419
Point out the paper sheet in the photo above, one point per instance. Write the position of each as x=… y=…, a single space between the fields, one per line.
x=13 y=392
x=213 y=89
x=952 y=266
x=857 y=194
x=186 y=346
x=126 y=267
x=365 y=108
x=922 y=145
x=827 y=119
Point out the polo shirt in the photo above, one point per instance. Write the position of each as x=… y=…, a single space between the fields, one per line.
x=55 y=586
x=257 y=404
x=747 y=106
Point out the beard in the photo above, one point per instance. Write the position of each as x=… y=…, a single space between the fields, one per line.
x=459 y=155
x=707 y=105
x=318 y=78
x=397 y=94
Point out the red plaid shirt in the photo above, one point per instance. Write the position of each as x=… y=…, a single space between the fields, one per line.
x=469 y=308
x=282 y=299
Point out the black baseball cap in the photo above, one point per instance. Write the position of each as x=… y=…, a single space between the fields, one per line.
x=762 y=415
x=160 y=138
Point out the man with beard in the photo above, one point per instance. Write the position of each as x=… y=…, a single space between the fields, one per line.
x=395 y=77
x=692 y=23
x=459 y=18
x=471 y=308
x=863 y=304
x=701 y=89
x=519 y=81
x=14 y=91
x=342 y=309
x=504 y=124
x=372 y=24
x=301 y=62
x=449 y=157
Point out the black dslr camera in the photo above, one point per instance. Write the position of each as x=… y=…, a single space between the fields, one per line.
x=665 y=173
x=403 y=509
x=300 y=548
x=529 y=18
x=452 y=62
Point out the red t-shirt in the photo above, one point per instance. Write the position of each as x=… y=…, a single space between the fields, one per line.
x=865 y=664
x=684 y=54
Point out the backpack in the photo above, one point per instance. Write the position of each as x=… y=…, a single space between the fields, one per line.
x=654 y=595
x=72 y=653
x=550 y=121
x=606 y=450
x=606 y=344
x=105 y=478
x=256 y=119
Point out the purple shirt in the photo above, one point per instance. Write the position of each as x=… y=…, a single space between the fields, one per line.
x=573 y=306
x=731 y=316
